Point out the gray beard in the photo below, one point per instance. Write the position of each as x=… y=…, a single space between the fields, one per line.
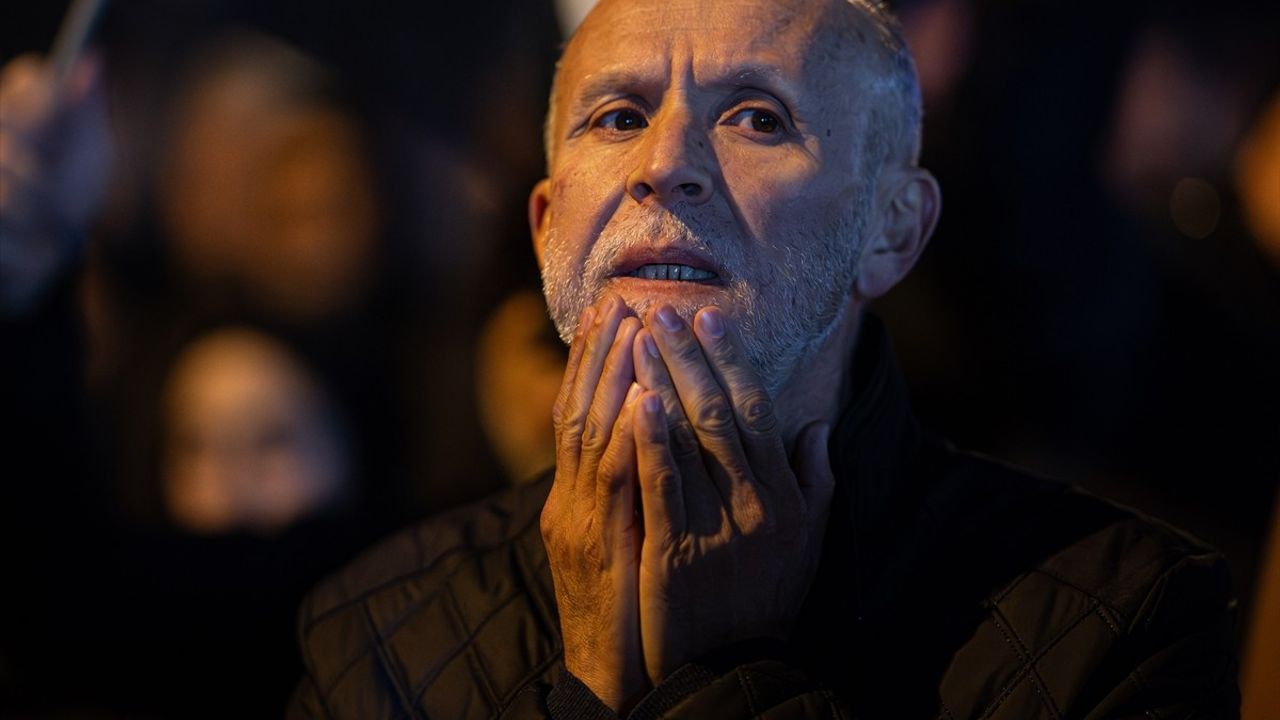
x=784 y=311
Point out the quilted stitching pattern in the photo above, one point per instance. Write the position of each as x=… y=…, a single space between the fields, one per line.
x=411 y=638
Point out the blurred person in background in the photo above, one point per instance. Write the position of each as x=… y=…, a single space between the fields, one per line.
x=251 y=440
x=267 y=192
x=267 y=203
x=519 y=365
x=252 y=179
x=259 y=490
x=203 y=488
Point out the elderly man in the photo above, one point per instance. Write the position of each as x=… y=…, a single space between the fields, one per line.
x=744 y=520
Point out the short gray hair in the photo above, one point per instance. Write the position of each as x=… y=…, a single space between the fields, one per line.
x=893 y=127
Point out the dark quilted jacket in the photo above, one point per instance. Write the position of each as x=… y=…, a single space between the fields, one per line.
x=950 y=587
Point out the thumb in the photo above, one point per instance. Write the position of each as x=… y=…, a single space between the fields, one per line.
x=813 y=470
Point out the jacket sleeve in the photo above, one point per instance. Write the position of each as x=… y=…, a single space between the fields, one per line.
x=743 y=681
x=1179 y=658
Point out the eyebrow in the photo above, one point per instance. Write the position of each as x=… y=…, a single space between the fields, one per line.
x=753 y=76
x=601 y=85
x=608 y=82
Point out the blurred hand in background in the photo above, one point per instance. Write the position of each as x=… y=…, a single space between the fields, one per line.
x=55 y=149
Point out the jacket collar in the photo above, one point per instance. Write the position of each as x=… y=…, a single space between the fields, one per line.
x=881 y=459
x=875 y=445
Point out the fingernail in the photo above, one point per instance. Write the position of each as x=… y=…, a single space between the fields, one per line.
x=651 y=404
x=712 y=323
x=651 y=347
x=632 y=393
x=669 y=319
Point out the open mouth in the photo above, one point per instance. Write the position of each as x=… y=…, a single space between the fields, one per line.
x=669 y=263
x=667 y=271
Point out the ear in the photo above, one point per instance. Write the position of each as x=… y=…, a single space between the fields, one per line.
x=540 y=216
x=910 y=202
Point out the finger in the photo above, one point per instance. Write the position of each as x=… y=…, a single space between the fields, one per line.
x=752 y=407
x=616 y=378
x=616 y=485
x=661 y=484
x=651 y=373
x=573 y=413
x=576 y=347
x=559 y=408
x=704 y=401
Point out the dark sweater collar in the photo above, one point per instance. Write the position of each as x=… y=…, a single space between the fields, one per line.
x=881 y=459
x=876 y=442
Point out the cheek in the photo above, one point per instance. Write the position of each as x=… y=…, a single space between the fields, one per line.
x=582 y=201
x=774 y=192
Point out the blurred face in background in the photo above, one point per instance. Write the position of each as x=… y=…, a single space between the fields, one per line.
x=251 y=441
x=267 y=190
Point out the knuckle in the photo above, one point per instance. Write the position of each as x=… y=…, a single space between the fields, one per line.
x=594 y=437
x=548 y=523
x=608 y=477
x=684 y=442
x=756 y=409
x=660 y=481
x=713 y=415
x=571 y=424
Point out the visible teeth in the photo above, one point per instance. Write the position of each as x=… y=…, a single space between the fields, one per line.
x=671 y=272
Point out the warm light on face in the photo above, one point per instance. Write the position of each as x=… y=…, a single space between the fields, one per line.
x=715 y=132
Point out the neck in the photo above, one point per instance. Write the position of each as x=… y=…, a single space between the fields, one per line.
x=819 y=387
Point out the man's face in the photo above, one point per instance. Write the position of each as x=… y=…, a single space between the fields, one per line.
x=709 y=153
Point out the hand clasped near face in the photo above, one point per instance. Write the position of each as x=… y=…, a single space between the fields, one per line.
x=676 y=523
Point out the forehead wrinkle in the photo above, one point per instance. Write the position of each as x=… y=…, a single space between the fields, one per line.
x=807 y=38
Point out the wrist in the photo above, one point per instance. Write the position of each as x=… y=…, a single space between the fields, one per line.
x=618 y=691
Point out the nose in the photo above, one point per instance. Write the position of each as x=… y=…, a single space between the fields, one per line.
x=674 y=163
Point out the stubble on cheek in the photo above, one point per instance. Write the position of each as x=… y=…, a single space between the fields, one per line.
x=562 y=287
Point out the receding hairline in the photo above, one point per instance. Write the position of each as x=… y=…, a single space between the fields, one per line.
x=895 y=116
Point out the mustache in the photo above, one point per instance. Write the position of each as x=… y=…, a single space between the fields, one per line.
x=656 y=228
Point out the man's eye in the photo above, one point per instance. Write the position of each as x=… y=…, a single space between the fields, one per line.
x=622 y=120
x=761 y=121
